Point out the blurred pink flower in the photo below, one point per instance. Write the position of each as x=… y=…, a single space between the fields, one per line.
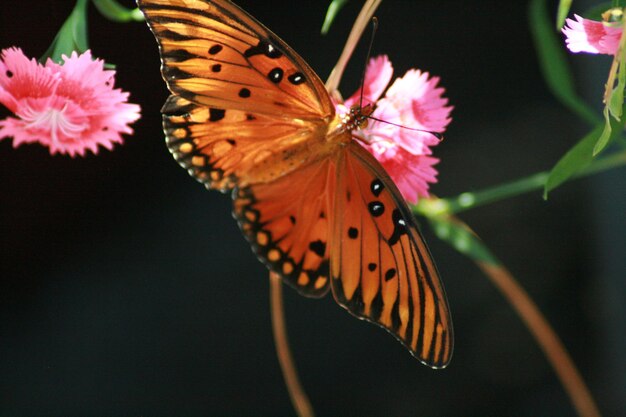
x=69 y=107
x=414 y=102
x=585 y=35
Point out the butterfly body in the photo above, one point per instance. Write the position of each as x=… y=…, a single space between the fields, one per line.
x=248 y=115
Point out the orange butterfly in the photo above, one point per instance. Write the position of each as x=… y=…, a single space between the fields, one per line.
x=248 y=115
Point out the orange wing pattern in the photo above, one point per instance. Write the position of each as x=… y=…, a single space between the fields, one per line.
x=215 y=54
x=247 y=114
x=224 y=148
x=381 y=268
x=286 y=222
x=246 y=108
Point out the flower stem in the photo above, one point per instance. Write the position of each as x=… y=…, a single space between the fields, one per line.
x=298 y=397
x=332 y=84
x=545 y=336
x=469 y=200
x=467 y=242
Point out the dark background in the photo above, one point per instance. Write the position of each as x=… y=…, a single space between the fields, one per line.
x=127 y=290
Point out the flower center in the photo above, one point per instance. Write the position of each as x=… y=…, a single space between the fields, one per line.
x=56 y=121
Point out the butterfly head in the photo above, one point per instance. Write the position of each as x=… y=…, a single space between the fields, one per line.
x=357 y=117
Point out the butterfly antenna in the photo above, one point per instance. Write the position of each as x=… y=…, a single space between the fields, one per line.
x=367 y=58
x=435 y=134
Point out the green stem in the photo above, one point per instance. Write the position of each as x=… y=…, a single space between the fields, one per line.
x=362 y=20
x=333 y=10
x=469 y=200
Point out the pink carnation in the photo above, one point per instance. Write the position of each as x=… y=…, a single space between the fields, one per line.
x=68 y=107
x=414 y=102
x=584 y=35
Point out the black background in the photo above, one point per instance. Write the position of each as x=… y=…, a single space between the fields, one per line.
x=127 y=290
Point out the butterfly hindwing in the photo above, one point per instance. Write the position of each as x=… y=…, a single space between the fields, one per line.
x=381 y=269
x=215 y=54
x=287 y=223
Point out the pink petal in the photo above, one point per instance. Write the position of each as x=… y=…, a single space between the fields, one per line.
x=21 y=78
x=377 y=76
x=585 y=35
x=70 y=107
x=415 y=102
x=12 y=127
x=411 y=173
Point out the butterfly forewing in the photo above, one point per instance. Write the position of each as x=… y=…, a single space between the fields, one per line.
x=246 y=108
x=215 y=54
x=381 y=268
x=287 y=223
x=225 y=148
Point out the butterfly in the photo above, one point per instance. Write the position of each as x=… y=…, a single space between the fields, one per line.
x=247 y=115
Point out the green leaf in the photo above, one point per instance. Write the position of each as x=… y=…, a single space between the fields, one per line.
x=613 y=108
x=561 y=14
x=581 y=155
x=114 y=11
x=63 y=41
x=617 y=100
x=71 y=37
x=607 y=134
x=331 y=13
x=603 y=140
x=79 y=29
x=462 y=239
x=553 y=62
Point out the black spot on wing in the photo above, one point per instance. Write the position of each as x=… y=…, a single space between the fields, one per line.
x=264 y=47
x=399 y=227
x=296 y=78
x=390 y=274
x=216 y=114
x=215 y=49
x=376 y=208
x=377 y=187
x=318 y=247
x=275 y=75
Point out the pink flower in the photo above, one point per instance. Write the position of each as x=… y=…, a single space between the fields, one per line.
x=68 y=107
x=412 y=102
x=584 y=35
